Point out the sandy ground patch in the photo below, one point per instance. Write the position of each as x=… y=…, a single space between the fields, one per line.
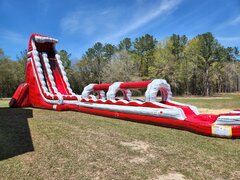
x=138 y=160
x=141 y=147
x=171 y=176
x=136 y=145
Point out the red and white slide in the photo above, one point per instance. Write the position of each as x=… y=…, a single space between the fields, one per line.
x=47 y=87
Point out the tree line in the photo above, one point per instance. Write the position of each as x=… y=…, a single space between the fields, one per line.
x=197 y=66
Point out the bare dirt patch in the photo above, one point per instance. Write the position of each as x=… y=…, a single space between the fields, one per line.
x=171 y=176
x=138 y=160
x=136 y=145
x=142 y=147
x=235 y=175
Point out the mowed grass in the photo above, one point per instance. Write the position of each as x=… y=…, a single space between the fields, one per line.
x=219 y=101
x=44 y=144
x=4 y=102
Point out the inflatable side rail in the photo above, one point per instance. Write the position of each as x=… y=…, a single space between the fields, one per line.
x=153 y=87
x=114 y=88
x=117 y=86
x=89 y=89
x=47 y=87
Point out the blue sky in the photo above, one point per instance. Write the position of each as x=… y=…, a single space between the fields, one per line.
x=78 y=24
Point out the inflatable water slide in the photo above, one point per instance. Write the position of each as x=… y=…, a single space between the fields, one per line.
x=47 y=87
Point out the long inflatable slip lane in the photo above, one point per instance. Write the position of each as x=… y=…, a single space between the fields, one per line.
x=47 y=87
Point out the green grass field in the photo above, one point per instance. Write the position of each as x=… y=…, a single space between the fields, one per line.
x=43 y=144
x=4 y=102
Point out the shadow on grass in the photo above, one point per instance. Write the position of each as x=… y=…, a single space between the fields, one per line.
x=15 y=137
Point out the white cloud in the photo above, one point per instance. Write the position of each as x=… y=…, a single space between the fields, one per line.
x=86 y=22
x=104 y=12
x=71 y=22
x=235 y=21
x=113 y=23
x=146 y=15
x=231 y=22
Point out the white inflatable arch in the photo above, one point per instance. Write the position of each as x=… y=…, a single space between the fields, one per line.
x=114 y=88
x=89 y=89
x=154 y=87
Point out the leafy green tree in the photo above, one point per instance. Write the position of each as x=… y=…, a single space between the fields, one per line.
x=10 y=76
x=125 y=44
x=65 y=57
x=164 y=66
x=108 y=51
x=74 y=78
x=197 y=66
x=22 y=60
x=1 y=53
x=171 y=63
x=95 y=56
x=95 y=59
x=231 y=53
x=144 y=51
x=195 y=80
x=204 y=51
x=86 y=70
x=180 y=63
x=178 y=45
x=120 y=68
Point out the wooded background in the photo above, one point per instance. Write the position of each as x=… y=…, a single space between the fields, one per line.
x=197 y=66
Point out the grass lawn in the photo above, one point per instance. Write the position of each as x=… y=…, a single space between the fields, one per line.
x=4 y=102
x=43 y=144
